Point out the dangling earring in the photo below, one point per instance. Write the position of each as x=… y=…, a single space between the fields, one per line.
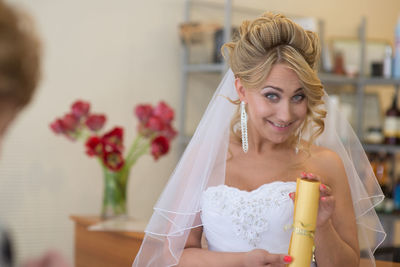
x=296 y=149
x=243 y=125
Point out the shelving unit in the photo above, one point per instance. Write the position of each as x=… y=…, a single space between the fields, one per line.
x=388 y=220
x=360 y=82
x=187 y=67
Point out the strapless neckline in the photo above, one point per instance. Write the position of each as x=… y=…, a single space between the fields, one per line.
x=261 y=187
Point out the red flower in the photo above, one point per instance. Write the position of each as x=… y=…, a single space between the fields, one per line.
x=143 y=112
x=159 y=146
x=57 y=126
x=164 y=112
x=80 y=108
x=94 y=146
x=169 y=132
x=113 y=160
x=70 y=122
x=114 y=138
x=155 y=124
x=95 y=122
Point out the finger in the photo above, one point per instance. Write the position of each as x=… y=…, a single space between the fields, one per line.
x=312 y=176
x=327 y=201
x=292 y=195
x=325 y=190
x=309 y=176
x=278 y=259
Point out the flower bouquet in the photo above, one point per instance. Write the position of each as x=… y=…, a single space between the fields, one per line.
x=155 y=132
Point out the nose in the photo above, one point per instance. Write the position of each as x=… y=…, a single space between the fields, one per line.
x=284 y=112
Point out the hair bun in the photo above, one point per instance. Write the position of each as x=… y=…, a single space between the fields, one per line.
x=271 y=30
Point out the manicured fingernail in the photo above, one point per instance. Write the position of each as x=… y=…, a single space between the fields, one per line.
x=310 y=175
x=303 y=174
x=323 y=198
x=287 y=259
x=323 y=186
x=291 y=195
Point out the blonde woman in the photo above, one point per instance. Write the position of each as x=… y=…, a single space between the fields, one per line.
x=269 y=123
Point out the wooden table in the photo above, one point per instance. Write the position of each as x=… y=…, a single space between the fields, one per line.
x=104 y=248
x=364 y=263
x=119 y=248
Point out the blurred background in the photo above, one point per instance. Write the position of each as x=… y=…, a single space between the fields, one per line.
x=117 y=54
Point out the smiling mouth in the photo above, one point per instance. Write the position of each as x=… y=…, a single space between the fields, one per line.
x=279 y=125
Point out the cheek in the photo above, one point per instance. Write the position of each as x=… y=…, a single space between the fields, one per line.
x=260 y=111
x=301 y=110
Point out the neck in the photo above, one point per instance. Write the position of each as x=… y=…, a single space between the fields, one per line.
x=261 y=145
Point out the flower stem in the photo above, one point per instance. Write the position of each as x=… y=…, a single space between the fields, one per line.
x=137 y=154
x=133 y=146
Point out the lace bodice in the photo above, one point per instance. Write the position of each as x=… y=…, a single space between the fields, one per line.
x=235 y=220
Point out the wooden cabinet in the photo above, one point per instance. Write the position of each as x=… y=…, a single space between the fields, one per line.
x=104 y=248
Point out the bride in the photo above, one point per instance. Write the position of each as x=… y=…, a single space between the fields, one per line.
x=269 y=122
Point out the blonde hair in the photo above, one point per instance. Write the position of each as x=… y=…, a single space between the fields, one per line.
x=19 y=56
x=271 y=39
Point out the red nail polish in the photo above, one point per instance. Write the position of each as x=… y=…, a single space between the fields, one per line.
x=323 y=198
x=303 y=174
x=291 y=195
x=287 y=259
x=310 y=175
x=323 y=186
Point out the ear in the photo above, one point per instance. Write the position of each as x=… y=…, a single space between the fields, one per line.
x=241 y=91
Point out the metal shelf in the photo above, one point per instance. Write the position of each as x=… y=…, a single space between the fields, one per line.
x=380 y=81
x=329 y=78
x=382 y=148
x=217 y=67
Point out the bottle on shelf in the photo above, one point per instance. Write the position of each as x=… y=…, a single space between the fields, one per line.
x=380 y=167
x=396 y=60
x=381 y=164
x=391 y=127
x=396 y=194
x=373 y=160
x=387 y=62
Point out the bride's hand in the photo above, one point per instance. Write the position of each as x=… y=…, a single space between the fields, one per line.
x=326 y=200
x=261 y=257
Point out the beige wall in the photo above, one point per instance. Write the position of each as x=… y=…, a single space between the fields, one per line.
x=116 y=54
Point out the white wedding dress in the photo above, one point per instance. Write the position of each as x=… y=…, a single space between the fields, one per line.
x=237 y=221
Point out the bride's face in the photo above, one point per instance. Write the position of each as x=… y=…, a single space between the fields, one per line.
x=279 y=107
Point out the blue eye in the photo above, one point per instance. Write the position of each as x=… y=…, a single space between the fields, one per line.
x=298 y=98
x=272 y=97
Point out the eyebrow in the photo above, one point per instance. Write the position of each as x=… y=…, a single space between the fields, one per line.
x=280 y=89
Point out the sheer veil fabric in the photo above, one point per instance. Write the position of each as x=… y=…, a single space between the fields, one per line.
x=203 y=164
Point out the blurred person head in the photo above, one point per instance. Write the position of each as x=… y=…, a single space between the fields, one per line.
x=19 y=76
x=19 y=63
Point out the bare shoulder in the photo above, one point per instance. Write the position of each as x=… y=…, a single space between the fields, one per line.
x=325 y=157
x=328 y=164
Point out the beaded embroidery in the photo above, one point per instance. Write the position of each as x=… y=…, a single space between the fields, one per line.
x=248 y=211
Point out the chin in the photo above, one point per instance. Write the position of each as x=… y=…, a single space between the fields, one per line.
x=278 y=140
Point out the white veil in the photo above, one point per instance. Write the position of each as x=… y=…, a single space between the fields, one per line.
x=203 y=165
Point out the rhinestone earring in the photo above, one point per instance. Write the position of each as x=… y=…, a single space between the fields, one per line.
x=296 y=149
x=243 y=125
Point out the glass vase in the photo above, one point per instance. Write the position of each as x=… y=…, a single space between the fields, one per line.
x=114 y=195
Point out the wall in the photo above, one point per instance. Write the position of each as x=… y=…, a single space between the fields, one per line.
x=116 y=54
